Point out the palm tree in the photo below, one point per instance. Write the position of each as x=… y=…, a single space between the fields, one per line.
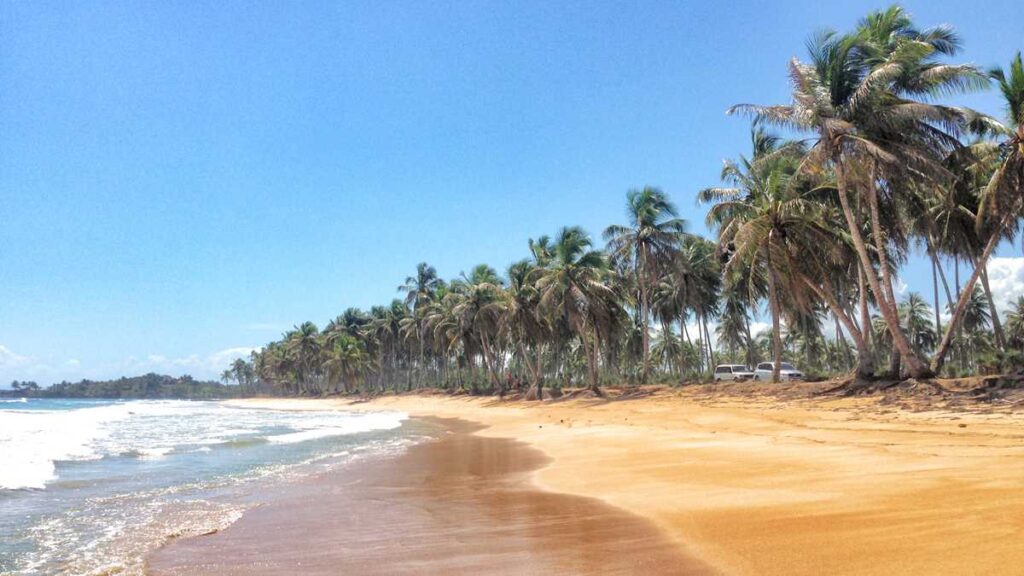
x=1015 y=324
x=574 y=291
x=914 y=315
x=522 y=323
x=859 y=97
x=768 y=226
x=345 y=361
x=1002 y=201
x=479 y=311
x=645 y=246
x=303 y=346
x=420 y=289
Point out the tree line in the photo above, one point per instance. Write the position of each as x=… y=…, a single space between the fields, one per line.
x=145 y=386
x=867 y=165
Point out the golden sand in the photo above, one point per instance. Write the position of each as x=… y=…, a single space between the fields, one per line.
x=754 y=485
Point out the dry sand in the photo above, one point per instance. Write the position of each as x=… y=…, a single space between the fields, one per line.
x=760 y=485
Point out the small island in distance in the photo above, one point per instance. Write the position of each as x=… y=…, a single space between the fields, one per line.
x=147 y=386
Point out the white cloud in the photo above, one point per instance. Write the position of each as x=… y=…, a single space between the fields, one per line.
x=208 y=366
x=1006 y=279
x=10 y=359
x=14 y=366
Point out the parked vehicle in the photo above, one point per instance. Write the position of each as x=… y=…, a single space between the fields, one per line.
x=786 y=371
x=737 y=372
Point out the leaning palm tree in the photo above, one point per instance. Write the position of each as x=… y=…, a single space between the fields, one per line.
x=645 y=246
x=1002 y=199
x=768 y=225
x=574 y=291
x=864 y=101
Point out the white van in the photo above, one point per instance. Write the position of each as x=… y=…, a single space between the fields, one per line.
x=786 y=371
x=737 y=372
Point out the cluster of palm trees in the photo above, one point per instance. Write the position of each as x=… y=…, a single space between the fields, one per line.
x=816 y=227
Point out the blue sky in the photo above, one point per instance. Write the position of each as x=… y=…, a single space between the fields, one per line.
x=180 y=181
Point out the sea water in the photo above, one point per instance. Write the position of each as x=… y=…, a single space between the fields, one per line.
x=91 y=486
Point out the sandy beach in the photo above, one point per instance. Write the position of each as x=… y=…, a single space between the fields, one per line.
x=757 y=484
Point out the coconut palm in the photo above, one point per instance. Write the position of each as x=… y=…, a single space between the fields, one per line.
x=522 y=323
x=1015 y=324
x=479 y=312
x=345 y=361
x=645 y=246
x=768 y=225
x=420 y=289
x=915 y=317
x=574 y=290
x=1002 y=200
x=861 y=99
x=303 y=346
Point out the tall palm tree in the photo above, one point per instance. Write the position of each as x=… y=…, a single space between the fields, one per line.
x=645 y=246
x=861 y=98
x=420 y=289
x=915 y=316
x=303 y=345
x=479 y=312
x=1002 y=200
x=768 y=226
x=522 y=322
x=574 y=290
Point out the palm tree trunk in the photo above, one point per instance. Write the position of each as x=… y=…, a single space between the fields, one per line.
x=773 y=303
x=711 y=350
x=917 y=368
x=935 y=290
x=961 y=305
x=534 y=373
x=644 y=333
x=684 y=333
x=750 y=341
x=489 y=365
x=865 y=315
x=942 y=277
x=895 y=366
x=590 y=352
x=997 y=326
x=865 y=356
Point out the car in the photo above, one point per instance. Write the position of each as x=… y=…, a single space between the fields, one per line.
x=786 y=371
x=737 y=372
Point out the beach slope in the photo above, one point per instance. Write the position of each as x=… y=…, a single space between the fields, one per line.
x=758 y=485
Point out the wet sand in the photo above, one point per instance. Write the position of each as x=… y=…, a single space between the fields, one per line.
x=463 y=504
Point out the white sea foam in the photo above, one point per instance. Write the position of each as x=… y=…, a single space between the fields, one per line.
x=325 y=428
x=32 y=442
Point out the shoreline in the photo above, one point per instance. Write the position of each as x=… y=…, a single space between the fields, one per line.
x=754 y=484
x=458 y=503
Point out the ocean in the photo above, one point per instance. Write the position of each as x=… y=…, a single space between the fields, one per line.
x=92 y=486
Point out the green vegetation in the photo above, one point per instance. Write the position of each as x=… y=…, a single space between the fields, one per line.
x=146 y=386
x=816 y=224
